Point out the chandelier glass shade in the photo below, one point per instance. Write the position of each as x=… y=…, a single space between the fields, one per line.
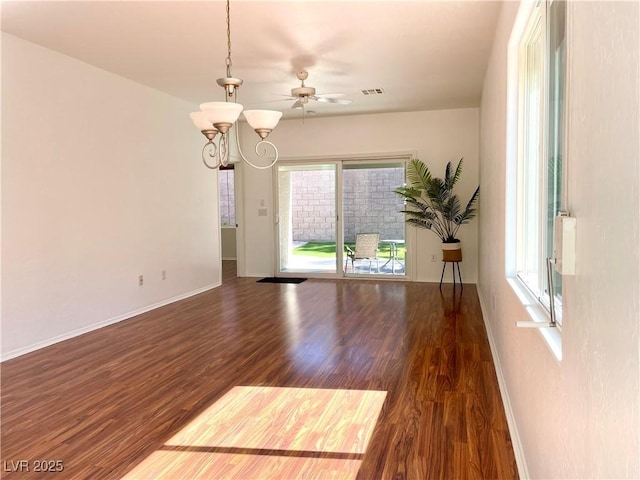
x=262 y=120
x=220 y=117
x=221 y=113
x=201 y=122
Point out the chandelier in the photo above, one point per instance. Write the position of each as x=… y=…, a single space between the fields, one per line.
x=219 y=117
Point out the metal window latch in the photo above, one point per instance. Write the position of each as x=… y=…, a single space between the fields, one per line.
x=552 y=306
x=564 y=243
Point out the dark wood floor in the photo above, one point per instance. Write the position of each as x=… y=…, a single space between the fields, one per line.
x=104 y=401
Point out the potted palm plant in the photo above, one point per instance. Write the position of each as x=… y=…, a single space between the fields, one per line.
x=430 y=203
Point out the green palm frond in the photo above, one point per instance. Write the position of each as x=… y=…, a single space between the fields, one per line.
x=448 y=179
x=417 y=204
x=408 y=192
x=472 y=201
x=418 y=175
x=451 y=208
x=456 y=176
x=469 y=212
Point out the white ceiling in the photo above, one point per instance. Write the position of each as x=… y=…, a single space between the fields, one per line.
x=423 y=54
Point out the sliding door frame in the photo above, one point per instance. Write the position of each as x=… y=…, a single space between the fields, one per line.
x=339 y=161
x=336 y=220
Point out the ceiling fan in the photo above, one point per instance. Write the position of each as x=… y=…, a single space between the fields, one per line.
x=303 y=94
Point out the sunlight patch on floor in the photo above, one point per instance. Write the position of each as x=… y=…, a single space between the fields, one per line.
x=223 y=466
x=271 y=432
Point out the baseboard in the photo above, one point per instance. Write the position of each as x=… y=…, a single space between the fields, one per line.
x=258 y=275
x=95 y=326
x=518 y=451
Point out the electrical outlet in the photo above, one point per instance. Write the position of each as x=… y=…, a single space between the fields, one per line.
x=434 y=257
x=164 y=274
x=140 y=281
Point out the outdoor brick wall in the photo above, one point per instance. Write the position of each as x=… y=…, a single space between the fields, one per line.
x=312 y=205
x=370 y=206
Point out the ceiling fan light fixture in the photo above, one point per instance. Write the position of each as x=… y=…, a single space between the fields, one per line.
x=303 y=94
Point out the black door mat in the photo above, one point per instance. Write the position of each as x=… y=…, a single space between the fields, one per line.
x=281 y=280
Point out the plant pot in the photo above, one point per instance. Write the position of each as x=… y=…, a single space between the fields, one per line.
x=452 y=252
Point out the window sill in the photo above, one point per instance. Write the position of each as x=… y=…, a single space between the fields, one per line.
x=537 y=313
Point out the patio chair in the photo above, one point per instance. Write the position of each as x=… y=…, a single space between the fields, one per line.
x=366 y=249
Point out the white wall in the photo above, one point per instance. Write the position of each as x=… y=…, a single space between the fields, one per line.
x=101 y=182
x=436 y=136
x=229 y=243
x=577 y=418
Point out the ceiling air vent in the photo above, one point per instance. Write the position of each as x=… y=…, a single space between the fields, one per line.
x=373 y=91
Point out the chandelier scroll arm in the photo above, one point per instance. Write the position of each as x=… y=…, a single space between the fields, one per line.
x=210 y=149
x=259 y=152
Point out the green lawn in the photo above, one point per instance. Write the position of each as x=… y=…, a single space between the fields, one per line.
x=328 y=250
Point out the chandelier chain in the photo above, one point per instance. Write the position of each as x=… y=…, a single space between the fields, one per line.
x=228 y=60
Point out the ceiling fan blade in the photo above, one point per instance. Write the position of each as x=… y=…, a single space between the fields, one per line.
x=331 y=95
x=276 y=101
x=297 y=104
x=339 y=101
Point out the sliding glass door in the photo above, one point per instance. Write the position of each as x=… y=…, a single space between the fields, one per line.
x=307 y=218
x=341 y=218
x=369 y=206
